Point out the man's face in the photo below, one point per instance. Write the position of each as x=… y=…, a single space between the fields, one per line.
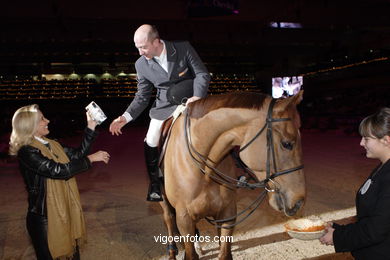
x=145 y=47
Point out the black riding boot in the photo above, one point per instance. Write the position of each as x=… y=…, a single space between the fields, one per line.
x=151 y=158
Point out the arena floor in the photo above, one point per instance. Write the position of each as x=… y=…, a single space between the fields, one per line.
x=122 y=225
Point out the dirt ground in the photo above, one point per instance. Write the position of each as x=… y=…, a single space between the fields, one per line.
x=122 y=225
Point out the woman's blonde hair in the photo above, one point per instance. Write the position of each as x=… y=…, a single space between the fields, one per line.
x=24 y=125
x=376 y=125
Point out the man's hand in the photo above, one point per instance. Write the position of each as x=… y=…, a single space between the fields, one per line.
x=192 y=99
x=117 y=124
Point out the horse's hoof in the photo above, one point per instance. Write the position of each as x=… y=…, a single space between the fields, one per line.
x=172 y=256
x=172 y=251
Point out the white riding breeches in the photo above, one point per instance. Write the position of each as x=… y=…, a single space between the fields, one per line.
x=154 y=132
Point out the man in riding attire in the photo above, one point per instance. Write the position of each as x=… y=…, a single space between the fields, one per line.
x=163 y=65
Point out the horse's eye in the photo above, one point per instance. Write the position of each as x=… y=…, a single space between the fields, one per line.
x=287 y=145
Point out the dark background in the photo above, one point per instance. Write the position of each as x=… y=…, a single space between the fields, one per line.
x=342 y=49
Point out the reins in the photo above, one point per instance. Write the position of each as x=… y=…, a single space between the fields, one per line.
x=232 y=183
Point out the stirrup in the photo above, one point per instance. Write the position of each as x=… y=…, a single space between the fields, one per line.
x=154 y=196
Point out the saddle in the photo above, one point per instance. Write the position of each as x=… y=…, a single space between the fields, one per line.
x=166 y=131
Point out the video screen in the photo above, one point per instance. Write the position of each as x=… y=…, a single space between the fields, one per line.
x=283 y=87
x=285 y=25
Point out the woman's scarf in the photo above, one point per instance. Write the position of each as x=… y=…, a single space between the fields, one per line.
x=64 y=213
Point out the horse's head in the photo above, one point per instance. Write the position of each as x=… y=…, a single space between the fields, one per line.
x=287 y=190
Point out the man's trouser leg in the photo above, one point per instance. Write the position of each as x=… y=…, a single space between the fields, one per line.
x=152 y=159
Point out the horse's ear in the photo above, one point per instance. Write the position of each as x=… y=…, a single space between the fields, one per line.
x=294 y=100
x=298 y=97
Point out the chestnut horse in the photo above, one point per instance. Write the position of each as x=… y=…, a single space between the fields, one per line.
x=200 y=176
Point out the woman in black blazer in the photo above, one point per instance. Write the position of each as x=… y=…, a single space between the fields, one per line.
x=369 y=236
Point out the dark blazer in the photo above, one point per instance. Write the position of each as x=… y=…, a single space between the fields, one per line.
x=369 y=237
x=183 y=63
x=35 y=168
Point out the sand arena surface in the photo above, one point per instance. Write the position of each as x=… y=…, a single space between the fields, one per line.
x=122 y=225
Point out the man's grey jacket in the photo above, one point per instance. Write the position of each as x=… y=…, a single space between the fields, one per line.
x=183 y=63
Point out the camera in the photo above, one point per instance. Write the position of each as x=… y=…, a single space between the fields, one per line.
x=96 y=112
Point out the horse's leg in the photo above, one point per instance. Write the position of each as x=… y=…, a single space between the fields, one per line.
x=187 y=229
x=219 y=235
x=197 y=244
x=170 y=223
x=225 y=243
x=226 y=234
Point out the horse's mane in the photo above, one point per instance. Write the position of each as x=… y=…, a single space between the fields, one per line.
x=247 y=100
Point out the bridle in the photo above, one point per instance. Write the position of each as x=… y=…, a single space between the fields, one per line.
x=229 y=181
x=223 y=179
x=270 y=152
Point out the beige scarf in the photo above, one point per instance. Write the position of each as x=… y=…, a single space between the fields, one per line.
x=64 y=213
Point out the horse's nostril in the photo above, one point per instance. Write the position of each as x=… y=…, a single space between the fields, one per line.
x=296 y=207
x=299 y=204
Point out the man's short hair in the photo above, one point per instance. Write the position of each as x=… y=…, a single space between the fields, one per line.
x=153 y=33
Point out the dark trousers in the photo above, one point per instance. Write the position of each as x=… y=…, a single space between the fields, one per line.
x=37 y=229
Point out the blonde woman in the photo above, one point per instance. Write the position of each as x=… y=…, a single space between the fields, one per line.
x=54 y=219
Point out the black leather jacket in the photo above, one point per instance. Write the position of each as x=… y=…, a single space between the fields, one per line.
x=35 y=168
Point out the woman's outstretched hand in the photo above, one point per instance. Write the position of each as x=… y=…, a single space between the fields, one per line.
x=100 y=156
x=91 y=124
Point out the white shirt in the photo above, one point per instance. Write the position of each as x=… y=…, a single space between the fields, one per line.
x=162 y=59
